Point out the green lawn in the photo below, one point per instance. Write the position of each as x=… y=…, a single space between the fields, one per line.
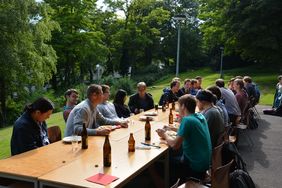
x=263 y=77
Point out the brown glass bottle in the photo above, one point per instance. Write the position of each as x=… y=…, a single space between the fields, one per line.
x=147 y=129
x=173 y=105
x=84 y=137
x=170 y=117
x=107 y=152
x=131 y=143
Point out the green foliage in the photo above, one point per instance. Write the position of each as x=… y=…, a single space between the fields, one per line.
x=26 y=57
x=149 y=74
x=245 y=28
x=119 y=83
x=124 y=83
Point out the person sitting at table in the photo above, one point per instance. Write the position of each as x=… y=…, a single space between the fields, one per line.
x=193 y=88
x=219 y=103
x=86 y=112
x=205 y=100
x=30 y=129
x=231 y=104
x=141 y=99
x=199 y=82
x=106 y=108
x=241 y=95
x=71 y=96
x=119 y=100
x=170 y=95
x=186 y=88
x=193 y=134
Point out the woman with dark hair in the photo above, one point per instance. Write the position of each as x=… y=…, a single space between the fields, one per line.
x=119 y=100
x=30 y=129
x=205 y=103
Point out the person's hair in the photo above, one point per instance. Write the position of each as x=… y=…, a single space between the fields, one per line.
x=70 y=91
x=247 y=79
x=198 y=78
x=206 y=95
x=141 y=84
x=173 y=83
x=279 y=77
x=239 y=82
x=93 y=88
x=187 y=80
x=42 y=104
x=119 y=97
x=216 y=91
x=219 y=82
x=105 y=88
x=193 y=81
x=176 y=79
x=189 y=102
x=238 y=77
x=232 y=79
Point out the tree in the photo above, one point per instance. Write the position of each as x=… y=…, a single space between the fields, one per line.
x=249 y=28
x=26 y=58
x=79 y=44
x=254 y=26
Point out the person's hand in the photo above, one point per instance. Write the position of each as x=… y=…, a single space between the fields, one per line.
x=170 y=128
x=103 y=131
x=124 y=124
x=161 y=133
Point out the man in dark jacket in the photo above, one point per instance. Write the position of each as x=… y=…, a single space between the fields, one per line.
x=170 y=95
x=141 y=100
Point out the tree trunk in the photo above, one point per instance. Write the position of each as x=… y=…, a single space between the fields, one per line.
x=148 y=55
x=124 y=61
x=3 y=110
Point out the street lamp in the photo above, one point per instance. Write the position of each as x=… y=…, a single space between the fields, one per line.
x=98 y=72
x=178 y=19
x=221 y=60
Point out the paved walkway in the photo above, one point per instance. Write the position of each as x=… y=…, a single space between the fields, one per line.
x=264 y=162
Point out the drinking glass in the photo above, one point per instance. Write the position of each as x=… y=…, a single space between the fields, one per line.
x=74 y=143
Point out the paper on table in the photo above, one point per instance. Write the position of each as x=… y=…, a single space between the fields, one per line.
x=102 y=179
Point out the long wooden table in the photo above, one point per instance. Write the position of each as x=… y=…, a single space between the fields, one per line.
x=56 y=165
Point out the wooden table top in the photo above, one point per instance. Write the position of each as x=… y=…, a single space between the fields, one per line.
x=58 y=163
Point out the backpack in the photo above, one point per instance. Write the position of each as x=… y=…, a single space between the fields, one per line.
x=240 y=179
x=229 y=152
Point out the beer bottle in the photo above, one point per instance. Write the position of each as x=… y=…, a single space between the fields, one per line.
x=84 y=137
x=107 y=152
x=131 y=143
x=173 y=105
x=170 y=117
x=147 y=129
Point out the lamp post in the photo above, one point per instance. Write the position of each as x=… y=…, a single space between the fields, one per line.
x=98 y=72
x=221 y=60
x=178 y=19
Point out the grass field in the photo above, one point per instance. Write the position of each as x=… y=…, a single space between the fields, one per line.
x=265 y=79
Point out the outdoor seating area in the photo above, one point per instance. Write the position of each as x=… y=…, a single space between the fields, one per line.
x=51 y=170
